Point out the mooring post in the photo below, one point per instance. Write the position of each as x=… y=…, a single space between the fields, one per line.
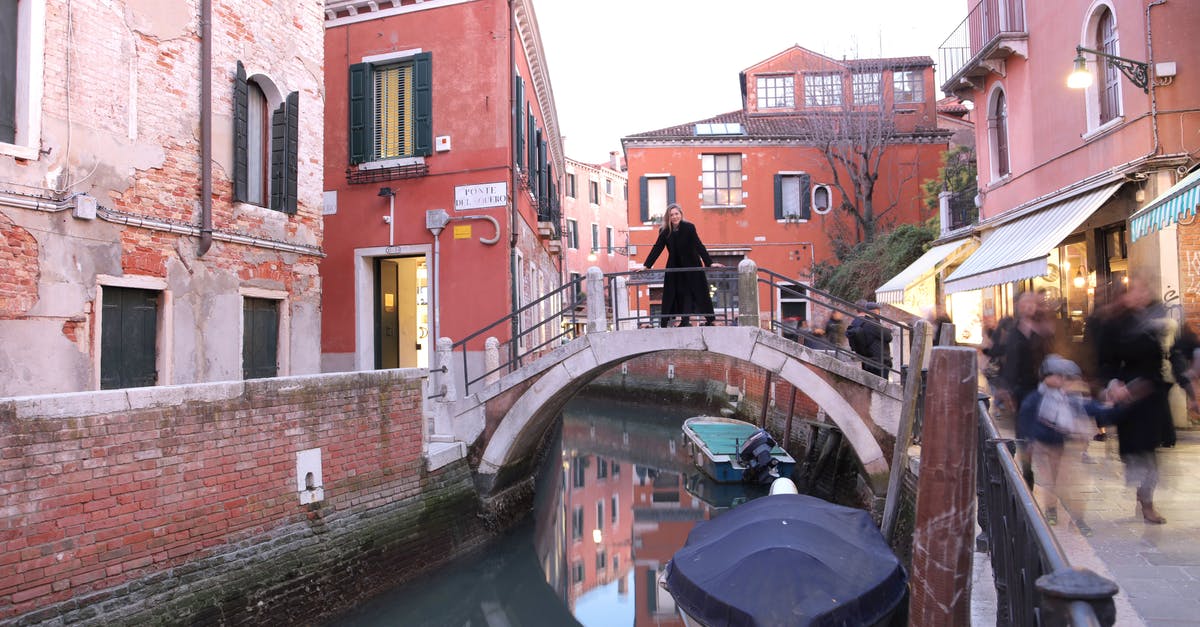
x=908 y=412
x=943 y=538
x=747 y=293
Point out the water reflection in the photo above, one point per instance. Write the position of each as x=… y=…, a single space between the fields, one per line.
x=610 y=511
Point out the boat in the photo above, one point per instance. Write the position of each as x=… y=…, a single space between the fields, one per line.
x=735 y=451
x=788 y=559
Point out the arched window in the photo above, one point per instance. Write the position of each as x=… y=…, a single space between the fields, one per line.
x=1107 y=73
x=258 y=145
x=998 y=131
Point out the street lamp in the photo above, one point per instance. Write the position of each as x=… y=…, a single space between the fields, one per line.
x=1137 y=72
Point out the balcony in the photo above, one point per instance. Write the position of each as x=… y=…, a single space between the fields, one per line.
x=993 y=31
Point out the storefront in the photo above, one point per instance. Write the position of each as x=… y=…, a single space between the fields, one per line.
x=918 y=288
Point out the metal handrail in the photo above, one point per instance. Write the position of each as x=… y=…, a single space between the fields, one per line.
x=782 y=286
x=1020 y=542
x=723 y=288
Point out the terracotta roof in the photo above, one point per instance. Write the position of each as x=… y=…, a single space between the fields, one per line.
x=951 y=106
x=791 y=126
x=891 y=62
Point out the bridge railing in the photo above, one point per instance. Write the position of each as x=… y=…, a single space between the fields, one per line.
x=1035 y=583
x=642 y=311
x=821 y=305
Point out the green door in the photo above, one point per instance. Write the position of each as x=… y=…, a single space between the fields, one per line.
x=128 y=338
x=260 y=338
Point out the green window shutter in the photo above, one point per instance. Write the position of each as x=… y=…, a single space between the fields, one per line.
x=241 y=135
x=519 y=120
x=535 y=142
x=360 y=113
x=805 y=197
x=291 y=155
x=670 y=189
x=543 y=176
x=644 y=189
x=778 y=196
x=278 y=151
x=423 y=109
x=531 y=126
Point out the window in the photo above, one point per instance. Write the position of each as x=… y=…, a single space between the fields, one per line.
x=1110 y=75
x=600 y=515
x=594 y=192
x=656 y=193
x=390 y=108
x=601 y=560
x=616 y=563
x=776 y=92
x=868 y=88
x=260 y=338
x=577 y=523
x=266 y=143
x=616 y=469
x=608 y=237
x=613 y=510
x=608 y=187
x=570 y=185
x=822 y=90
x=580 y=466
x=721 y=180
x=601 y=468
x=577 y=572
x=595 y=237
x=909 y=86
x=572 y=234
x=792 y=201
x=128 y=338
x=998 y=134
x=723 y=281
x=793 y=306
x=22 y=44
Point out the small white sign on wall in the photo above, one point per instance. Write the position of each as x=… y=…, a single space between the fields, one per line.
x=329 y=203
x=309 y=483
x=482 y=196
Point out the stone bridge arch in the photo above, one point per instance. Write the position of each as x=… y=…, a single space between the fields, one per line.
x=512 y=415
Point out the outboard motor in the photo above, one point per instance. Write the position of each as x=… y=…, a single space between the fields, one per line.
x=755 y=457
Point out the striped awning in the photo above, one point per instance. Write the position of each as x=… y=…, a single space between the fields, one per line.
x=1019 y=249
x=893 y=290
x=1180 y=202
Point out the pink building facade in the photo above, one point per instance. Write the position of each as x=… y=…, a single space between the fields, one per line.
x=1063 y=170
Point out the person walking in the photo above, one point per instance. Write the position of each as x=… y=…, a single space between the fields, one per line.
x=1130 y=357
x=1023 y=351
x=871 y=340
x=684 y=293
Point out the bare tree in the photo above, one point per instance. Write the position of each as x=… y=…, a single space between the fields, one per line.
x=853 y=137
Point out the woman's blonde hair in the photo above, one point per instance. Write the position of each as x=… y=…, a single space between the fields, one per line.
x=666 y=222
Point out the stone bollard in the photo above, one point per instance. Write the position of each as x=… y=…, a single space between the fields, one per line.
x=1061 y=588
x=945 y=517
x=748 y=293
x=597 y=319
x=621 y=312
x=491 y=360
x=445 y=378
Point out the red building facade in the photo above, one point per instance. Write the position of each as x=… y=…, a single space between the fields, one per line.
x=746 y=178
x=442 y=172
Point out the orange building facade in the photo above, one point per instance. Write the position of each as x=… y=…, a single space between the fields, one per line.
x=747 y=178
x=1061 y=170
x=443 y=165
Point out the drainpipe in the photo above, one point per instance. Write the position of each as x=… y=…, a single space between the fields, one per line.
x=206 y=231
x=514 y=190
x=1150 y=78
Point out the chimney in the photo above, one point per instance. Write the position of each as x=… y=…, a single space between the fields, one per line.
x=614 y=160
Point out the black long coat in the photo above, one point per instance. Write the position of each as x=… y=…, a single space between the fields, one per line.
x=683 y=292
x=1129 y=349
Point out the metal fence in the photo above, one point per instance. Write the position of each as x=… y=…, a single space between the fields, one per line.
x=987 y=20
x=1035 y=583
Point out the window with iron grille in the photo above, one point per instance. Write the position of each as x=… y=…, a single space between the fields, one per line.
x=822 y=90
x=908 y=86
x=721 y=179
x=776 y=92
x=868 y=88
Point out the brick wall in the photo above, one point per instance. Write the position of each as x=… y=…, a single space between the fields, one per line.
x=181 y=503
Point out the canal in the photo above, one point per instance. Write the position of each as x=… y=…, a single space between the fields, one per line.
x=611 y=508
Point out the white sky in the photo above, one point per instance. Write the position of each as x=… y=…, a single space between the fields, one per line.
x=620 y=67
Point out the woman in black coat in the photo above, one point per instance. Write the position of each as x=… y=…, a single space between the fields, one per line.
x=684 y=293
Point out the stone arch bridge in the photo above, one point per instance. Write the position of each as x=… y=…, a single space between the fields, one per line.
x=505 y=420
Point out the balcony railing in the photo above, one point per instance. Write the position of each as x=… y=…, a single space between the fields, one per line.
x=987 y=22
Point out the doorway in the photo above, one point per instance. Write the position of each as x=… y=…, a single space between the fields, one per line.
x=401 y=312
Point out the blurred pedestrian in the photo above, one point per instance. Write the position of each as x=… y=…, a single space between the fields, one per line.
x=1054 y=416
x=835 y=328
x=1023 y=350
x=1130 y=357
x=871 y=340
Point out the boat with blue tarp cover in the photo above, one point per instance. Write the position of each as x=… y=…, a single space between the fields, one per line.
x=735 y=451
x=788 y=559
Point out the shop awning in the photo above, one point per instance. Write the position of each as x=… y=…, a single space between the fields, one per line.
x=893 y=290
x=1180 y=202
x=1018 y=249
